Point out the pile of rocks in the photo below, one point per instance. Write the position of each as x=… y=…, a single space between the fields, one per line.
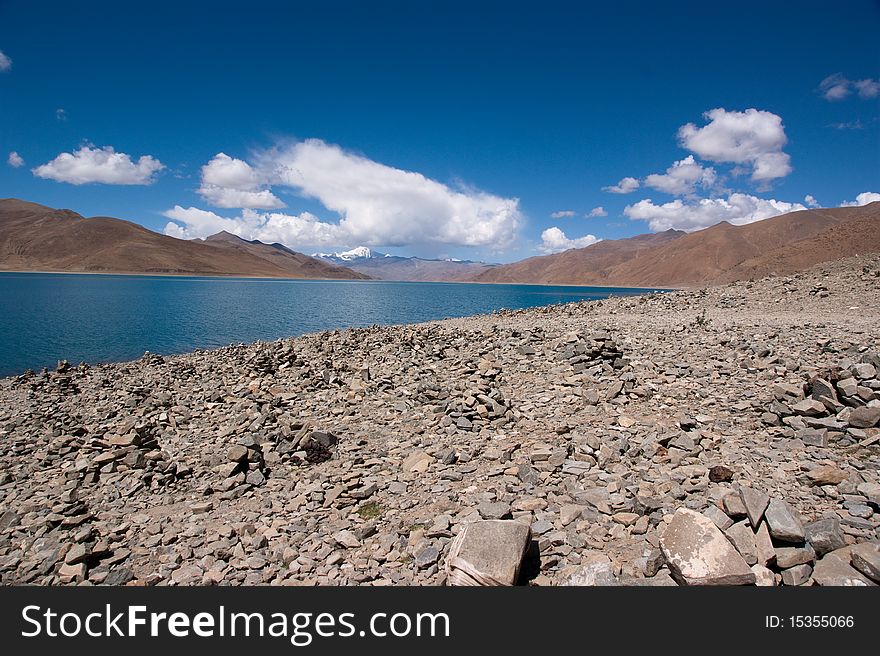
x=753 y=538
x=835 y=406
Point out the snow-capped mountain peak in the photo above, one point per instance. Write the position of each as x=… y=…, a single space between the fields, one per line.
x=360 y=251
x=357 y=253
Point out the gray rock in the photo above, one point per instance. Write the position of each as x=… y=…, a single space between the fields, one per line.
x=255 y=478
x=783 y=522
x=834 y=569
x=742 y=537
x=797 y=575
x=822 y=388
x=496 y=510
x=808 y=408
x=864 y=417
x=593 y=574
x=865 y=557
x=764 y=546
x=720 y=518
x=824 y=535
x=488 y=552
x=698 y=553
x=763 y=576
x=427 y=557
x=787 y=557
x=755 y=503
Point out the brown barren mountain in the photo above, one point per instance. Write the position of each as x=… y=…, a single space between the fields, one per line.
x=38 y=238
x=781 y=245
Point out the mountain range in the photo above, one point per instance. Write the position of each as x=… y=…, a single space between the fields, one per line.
x=382 y=266
x=38 y=238
x=722 y=253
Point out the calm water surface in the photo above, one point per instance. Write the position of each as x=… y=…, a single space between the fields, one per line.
x=106 y=318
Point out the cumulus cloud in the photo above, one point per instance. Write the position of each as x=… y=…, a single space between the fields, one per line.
x=378 y=205
x=811 y=201
x=101 y=165
x=5 y=62
x=15 y=160
x=231 y=182
x=862 y=199
x=625 y=186
x=562 y=214
x=752 y=138
x=385 y=206
x=295 y=230
x=837 y=87
x=598 y=211
x=553 y=240
x=737 y=209
x=682 y=177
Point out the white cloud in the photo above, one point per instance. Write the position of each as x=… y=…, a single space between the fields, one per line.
x=5 y=62
x=862 y=199
x=378 y=205
x=811 y=201
x=751 y=138
x=384 y=206
x=553 y=240
x=848 y=125
x=61 y=114
x=737 y=209
x=562 y=214
x=625 y=186
x=682 y=177
x=837 y=87
x=231 y=182
x=15 y=160
x=598 y=211
x=101 y=165
x=294 y=230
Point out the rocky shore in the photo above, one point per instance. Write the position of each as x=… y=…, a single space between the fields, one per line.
x=724 y=435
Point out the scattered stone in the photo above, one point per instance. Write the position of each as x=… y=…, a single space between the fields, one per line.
x=783 y=522
x=825 y=535
x=720 y=474
x=865 y=557
x=698 y=553
x=487 y=553
x=834 y=569
x=797 y=575
x=755 y=503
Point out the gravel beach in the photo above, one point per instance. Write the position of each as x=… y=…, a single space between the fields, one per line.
x=726 y=435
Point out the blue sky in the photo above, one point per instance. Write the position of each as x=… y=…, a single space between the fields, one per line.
x=439 y=129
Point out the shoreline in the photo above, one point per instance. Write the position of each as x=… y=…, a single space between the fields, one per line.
x=354 y=457
x=224 y=276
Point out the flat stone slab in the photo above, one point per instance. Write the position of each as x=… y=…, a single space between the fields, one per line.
x=755 y=502
x=865 y=557
x=834 y=569
x=825 y=535
x=698 y=553
x=487 y=553
x=783 y=522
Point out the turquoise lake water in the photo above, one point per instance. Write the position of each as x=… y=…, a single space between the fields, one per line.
x=108 y=318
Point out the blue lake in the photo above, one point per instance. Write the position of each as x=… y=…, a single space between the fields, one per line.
x=108 y=318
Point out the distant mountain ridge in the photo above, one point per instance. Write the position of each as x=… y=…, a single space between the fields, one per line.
x=410 y=269
x=38 y=238
x=722 y=253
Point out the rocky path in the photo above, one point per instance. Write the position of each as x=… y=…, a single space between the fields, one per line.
x=725 y=435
